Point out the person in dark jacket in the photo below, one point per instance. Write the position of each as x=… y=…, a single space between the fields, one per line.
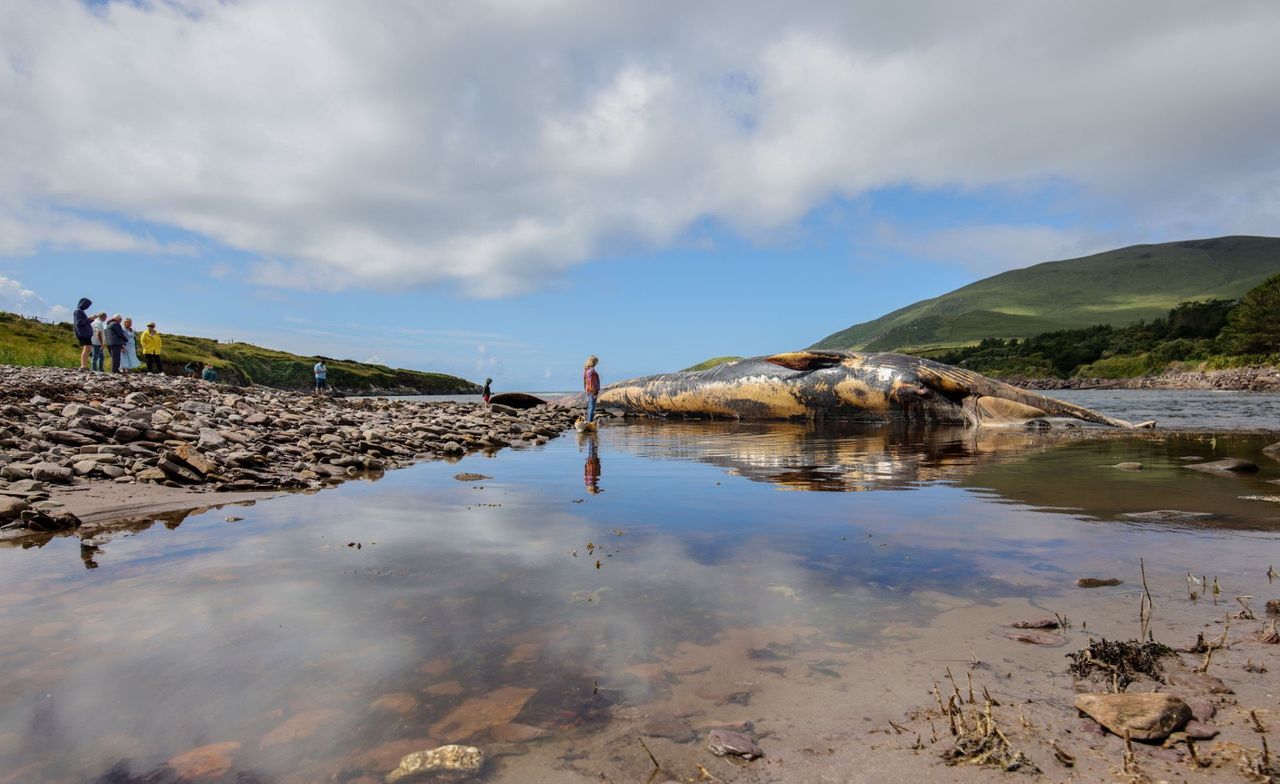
x=83 y=328
x=114 y=338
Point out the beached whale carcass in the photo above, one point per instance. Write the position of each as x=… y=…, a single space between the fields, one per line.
x=850 y=385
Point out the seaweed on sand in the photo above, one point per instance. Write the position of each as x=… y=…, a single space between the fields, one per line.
x=1121 y=661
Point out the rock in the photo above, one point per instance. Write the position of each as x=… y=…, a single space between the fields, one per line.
x=1199 y=682
x=42 y=522
x=1097 y=582
x=1168 y=516
x=1038 y=638
x=69 y=438
x=193 y=459
x=1145 y=717
x=399 y=702
x=1202 y=711
x=211 y=439
x=1226 y=465
x=177 y=471
x=124 y=434
x=11 y=508
x=209 y=761
x=724 y=743
x=665 y=725
x=80 y=410
x=1039 y=623
x=52 y=472
x=445 y=763
x=464 y=477
x=1128 y=466
x=1199 y=731
x=478 y=714
x=516 y=733
x=300 y=726
x=1272 y=451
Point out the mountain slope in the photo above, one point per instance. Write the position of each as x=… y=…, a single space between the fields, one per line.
x=25 y=341
x=1116 y=287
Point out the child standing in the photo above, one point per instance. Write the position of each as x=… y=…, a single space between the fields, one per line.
x=591 y=385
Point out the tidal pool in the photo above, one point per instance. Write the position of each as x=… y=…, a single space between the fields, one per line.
x=654 y=582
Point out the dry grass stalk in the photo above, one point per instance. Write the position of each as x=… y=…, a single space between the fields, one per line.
x=987 y=745
x=1221 y=642
x=1245 y=614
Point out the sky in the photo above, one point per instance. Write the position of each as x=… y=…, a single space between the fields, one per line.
x=499 y=188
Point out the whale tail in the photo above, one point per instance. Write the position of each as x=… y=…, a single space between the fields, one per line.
x=996 y=400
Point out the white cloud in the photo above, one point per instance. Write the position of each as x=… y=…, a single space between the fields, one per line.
x=494 y=145
x=17 y=298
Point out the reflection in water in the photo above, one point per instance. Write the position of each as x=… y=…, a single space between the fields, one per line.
x=477 y=613
x=591 y=467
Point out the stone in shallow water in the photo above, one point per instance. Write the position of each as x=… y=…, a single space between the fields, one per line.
x=1147 y=717
x=724 y=743
x=209 y=761
x=447 y=763
x=1128 y=466
x=1168 y=516
x=1226 y=465
x=480 y=713
x=664 y=725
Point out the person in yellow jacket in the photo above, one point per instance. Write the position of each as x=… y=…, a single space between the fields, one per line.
x=151 y=344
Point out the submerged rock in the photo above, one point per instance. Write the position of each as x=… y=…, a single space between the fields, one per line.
x=727 y=743
x=446 y=763
x=1128 y=466
x=1227 y=465
x=1097 y=582
x=1145 y=717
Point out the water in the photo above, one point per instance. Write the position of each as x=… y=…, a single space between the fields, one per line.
x=545 y=612
x=1182 y=409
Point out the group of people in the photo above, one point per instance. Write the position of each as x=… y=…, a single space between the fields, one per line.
x=100 y=337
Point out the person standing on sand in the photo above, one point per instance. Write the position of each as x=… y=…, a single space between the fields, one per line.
x=591 y=385
x=129 y=356
x=99 y=359
x=151 y=345
x=487 y=392
x=114 y=339
x=322 y=377
x=83 y=329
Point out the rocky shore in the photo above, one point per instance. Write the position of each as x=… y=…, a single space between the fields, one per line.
x=62 y=429
x=1263 y=378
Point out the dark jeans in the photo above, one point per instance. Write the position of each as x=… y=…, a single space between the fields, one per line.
x=97 y=359
x=153 y=363
x=115 y=357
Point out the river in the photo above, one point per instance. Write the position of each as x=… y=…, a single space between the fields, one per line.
x=654 y=581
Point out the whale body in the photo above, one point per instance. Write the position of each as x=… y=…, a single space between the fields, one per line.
x=845 y=385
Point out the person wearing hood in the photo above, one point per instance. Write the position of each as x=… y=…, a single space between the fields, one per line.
x=99 y=325
x=115 y=339
x=83 y=328
x=488 y=390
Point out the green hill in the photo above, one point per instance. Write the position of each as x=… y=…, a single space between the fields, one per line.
x=1118 y=287
x=25 y=341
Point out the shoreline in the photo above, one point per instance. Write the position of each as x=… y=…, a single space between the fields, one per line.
x=1259 y=378
x=81 y=448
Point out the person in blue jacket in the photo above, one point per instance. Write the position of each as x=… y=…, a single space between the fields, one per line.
x=82 y=326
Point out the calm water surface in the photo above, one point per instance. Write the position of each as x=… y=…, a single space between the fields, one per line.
x=325 y=635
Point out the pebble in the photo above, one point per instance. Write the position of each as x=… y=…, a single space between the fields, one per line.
x=727 y=743
x=84 y=428
x=1145 y=717
x=446 y=763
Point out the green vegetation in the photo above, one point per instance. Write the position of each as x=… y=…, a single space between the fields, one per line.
x=710 y=363
x=26 y=341
x=1120 y=287
x=1212 y=334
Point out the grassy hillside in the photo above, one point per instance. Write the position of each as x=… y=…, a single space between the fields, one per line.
x=26 y=341
x=1118 y=287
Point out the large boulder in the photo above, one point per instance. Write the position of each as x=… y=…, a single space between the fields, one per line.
x=1148 y=717
x=11 y=508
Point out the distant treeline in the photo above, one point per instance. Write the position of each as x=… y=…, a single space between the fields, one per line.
x=1211 y=334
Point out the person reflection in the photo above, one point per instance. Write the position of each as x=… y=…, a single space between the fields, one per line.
x=87 y=553
x=591 y=468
